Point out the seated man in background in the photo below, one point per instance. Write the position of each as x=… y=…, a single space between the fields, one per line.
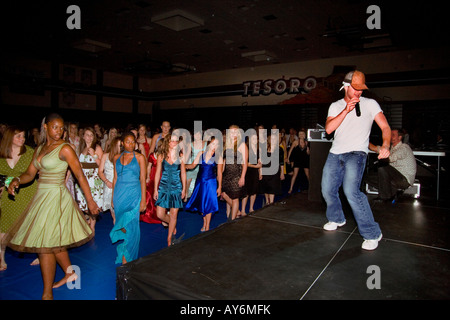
x=400 y=173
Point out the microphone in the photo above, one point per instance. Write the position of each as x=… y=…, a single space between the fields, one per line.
x=358 y=110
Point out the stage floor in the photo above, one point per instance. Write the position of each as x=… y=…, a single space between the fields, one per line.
x=279 y=252
x=282 y=252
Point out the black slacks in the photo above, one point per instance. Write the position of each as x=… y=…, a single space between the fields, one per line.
x=390 y=180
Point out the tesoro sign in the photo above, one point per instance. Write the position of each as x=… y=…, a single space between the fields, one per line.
x=280 y=86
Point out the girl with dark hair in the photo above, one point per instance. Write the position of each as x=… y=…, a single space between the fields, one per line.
x=128 y=199
x=90 y=158
x=52 y=222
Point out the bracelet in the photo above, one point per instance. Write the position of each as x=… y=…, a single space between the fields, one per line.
x=9 y=180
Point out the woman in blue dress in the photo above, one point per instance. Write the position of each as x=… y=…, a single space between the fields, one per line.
x=207 y=189
x=197 y=146
x=170 y=185
x=128 y=199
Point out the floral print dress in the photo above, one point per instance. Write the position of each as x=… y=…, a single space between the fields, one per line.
x=90 y=170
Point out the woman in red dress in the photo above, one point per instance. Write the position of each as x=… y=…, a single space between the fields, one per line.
x=149 y=215
x=143 y=141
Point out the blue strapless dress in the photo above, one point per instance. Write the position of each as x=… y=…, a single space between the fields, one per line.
x=204 y=196
x=127 y=199
x=170 y=187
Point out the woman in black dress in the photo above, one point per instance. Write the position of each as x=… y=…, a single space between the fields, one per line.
x=299 y=157
x=252 y=175
x=234 y=166
x=270 y=184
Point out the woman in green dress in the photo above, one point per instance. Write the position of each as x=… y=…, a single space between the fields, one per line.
x=15 y=157
x=52 y=222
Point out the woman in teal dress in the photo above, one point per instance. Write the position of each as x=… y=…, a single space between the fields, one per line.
x=170 y=185
x=128 y=199
x=52 y=222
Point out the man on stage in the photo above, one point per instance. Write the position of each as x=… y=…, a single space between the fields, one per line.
x=351 y=119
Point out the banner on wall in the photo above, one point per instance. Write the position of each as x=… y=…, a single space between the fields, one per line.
x=279 y=87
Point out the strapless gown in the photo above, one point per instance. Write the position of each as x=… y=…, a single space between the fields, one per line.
x=204 y=196
x=170 y=188
x=149 y=216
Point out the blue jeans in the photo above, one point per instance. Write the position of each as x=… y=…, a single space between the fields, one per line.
x=347 y=170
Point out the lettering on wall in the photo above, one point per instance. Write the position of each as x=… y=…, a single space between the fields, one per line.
x=279 y=87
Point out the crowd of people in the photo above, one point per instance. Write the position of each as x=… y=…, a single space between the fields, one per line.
x=135 y=175
x=138 y=176
x=141 y=176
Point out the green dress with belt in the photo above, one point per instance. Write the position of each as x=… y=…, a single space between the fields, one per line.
x=53 y=221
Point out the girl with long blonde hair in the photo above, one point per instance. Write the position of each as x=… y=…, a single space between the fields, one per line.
x=234 y=166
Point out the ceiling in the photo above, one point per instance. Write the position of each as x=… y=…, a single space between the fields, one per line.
x=123 y=36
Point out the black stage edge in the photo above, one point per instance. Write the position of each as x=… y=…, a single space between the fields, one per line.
x=281 y=252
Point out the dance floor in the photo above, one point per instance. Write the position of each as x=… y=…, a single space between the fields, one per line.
x=280 y=252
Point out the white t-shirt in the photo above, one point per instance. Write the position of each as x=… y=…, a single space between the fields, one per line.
x=353 y=133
